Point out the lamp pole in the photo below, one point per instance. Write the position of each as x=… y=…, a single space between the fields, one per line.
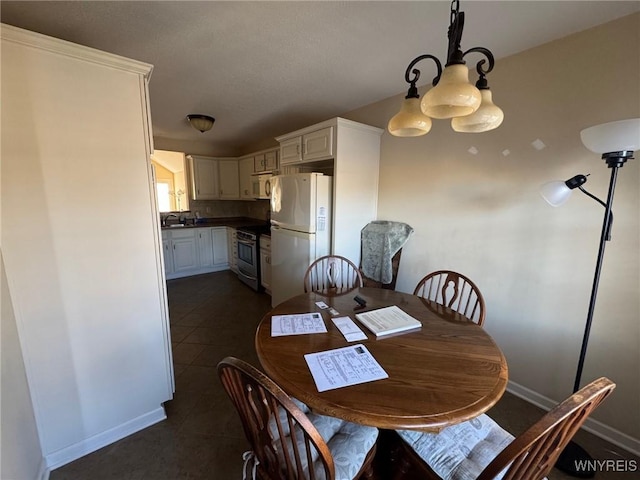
x=614 y=161
x=568 y=459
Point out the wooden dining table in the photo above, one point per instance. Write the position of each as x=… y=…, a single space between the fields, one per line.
x=448 y=371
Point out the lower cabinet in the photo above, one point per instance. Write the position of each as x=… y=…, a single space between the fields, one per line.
x=265 y=263
x=232 y=248
x=192 y=251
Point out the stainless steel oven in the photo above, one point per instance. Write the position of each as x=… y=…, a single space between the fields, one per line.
x=248 y=258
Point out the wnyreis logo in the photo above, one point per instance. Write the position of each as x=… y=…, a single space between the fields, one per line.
x=606 y=465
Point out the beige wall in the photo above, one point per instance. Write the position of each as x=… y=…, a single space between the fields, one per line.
x=482 y=214
x=20 y=452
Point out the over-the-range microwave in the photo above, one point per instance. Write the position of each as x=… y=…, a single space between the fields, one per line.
x=262 y=186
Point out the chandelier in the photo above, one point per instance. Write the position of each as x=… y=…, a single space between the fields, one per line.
x=471 y=108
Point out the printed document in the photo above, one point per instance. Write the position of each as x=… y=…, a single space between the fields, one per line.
x=297 y=324
x=388 y=320
x=349 y=329
x=343 y=367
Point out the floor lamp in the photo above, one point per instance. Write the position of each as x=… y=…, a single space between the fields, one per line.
x=616 y=141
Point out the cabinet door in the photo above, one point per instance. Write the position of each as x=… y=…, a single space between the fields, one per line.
x=167 y=253
x=291 y=151
x=245 y=169
x=205 y=247
x=271 y=160
x=229 y=179
x=317 y=145
x=259 y=163
x=265 y=269
x=220 y=252
x=185 y=254
x=204 y=178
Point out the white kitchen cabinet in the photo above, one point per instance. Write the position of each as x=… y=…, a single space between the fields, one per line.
x=88 y=299
x=184 y=250
x=229 y=179
x=265 y=263
x=308 y=147
x=291 y=150
x=213 y=178
x=203 y=172
x=194 y=250
x=168 y=255
x=220 y=252
x=265 y=161
x=204 y=241
x=350 y=152
x=245 y=171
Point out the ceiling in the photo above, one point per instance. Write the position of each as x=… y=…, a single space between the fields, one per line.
x=263 y=69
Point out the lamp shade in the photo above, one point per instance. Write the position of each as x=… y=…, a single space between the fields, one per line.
x=613 y=136
x=453 y=96
x=555 y=193
x=200 y=122
x=487 y=117
x=409 y=121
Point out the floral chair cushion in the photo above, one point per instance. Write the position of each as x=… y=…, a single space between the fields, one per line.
x=348 y=442
x=462 y=451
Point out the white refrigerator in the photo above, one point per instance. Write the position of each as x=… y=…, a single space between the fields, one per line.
x=300 y=229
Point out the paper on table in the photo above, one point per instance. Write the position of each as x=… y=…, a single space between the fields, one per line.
x=343 y=367
x=349 y=329
x=388 y=320
x=297 y=324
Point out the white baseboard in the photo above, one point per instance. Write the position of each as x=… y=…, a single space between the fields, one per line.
x=85 y=447
x=599 y=429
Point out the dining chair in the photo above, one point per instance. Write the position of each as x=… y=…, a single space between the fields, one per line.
x=287 y=440
x=453 y=290
x=332 y=275
x=480 y=449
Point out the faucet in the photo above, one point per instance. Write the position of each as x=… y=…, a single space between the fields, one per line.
x=166 y=217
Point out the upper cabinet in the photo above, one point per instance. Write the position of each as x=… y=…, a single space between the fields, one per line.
x=245 y=170
x=213 y=178
x=229 y=179
x=307 y=147
x=203 y=173
x=265 y=161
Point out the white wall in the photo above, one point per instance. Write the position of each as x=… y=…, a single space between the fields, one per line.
x=482 y=214
x=20 y=455
x=87 y=290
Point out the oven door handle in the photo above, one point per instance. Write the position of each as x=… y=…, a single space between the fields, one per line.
x=248 y=243
x=249 y=277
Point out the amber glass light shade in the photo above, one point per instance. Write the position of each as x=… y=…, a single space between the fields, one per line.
x=453 y=96
x=409 y=121
x=487 y=117
x=200 y=122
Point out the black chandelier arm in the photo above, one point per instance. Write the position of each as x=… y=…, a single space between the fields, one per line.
x=480 y=65
x=610 y=220
x=416 y=73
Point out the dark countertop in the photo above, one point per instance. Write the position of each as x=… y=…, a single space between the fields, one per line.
x=234 y=222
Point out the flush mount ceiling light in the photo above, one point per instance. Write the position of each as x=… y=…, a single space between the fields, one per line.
x=201 y=122
x=471 y=108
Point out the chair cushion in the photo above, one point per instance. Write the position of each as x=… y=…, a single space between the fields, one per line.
x=462 y=451
x=348 y=442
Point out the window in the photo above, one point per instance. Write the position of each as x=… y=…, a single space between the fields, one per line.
x=164 y=202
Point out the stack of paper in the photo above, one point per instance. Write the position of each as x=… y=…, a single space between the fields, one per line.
x=388 y=320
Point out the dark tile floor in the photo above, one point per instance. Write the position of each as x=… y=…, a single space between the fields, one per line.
x=213 y=316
